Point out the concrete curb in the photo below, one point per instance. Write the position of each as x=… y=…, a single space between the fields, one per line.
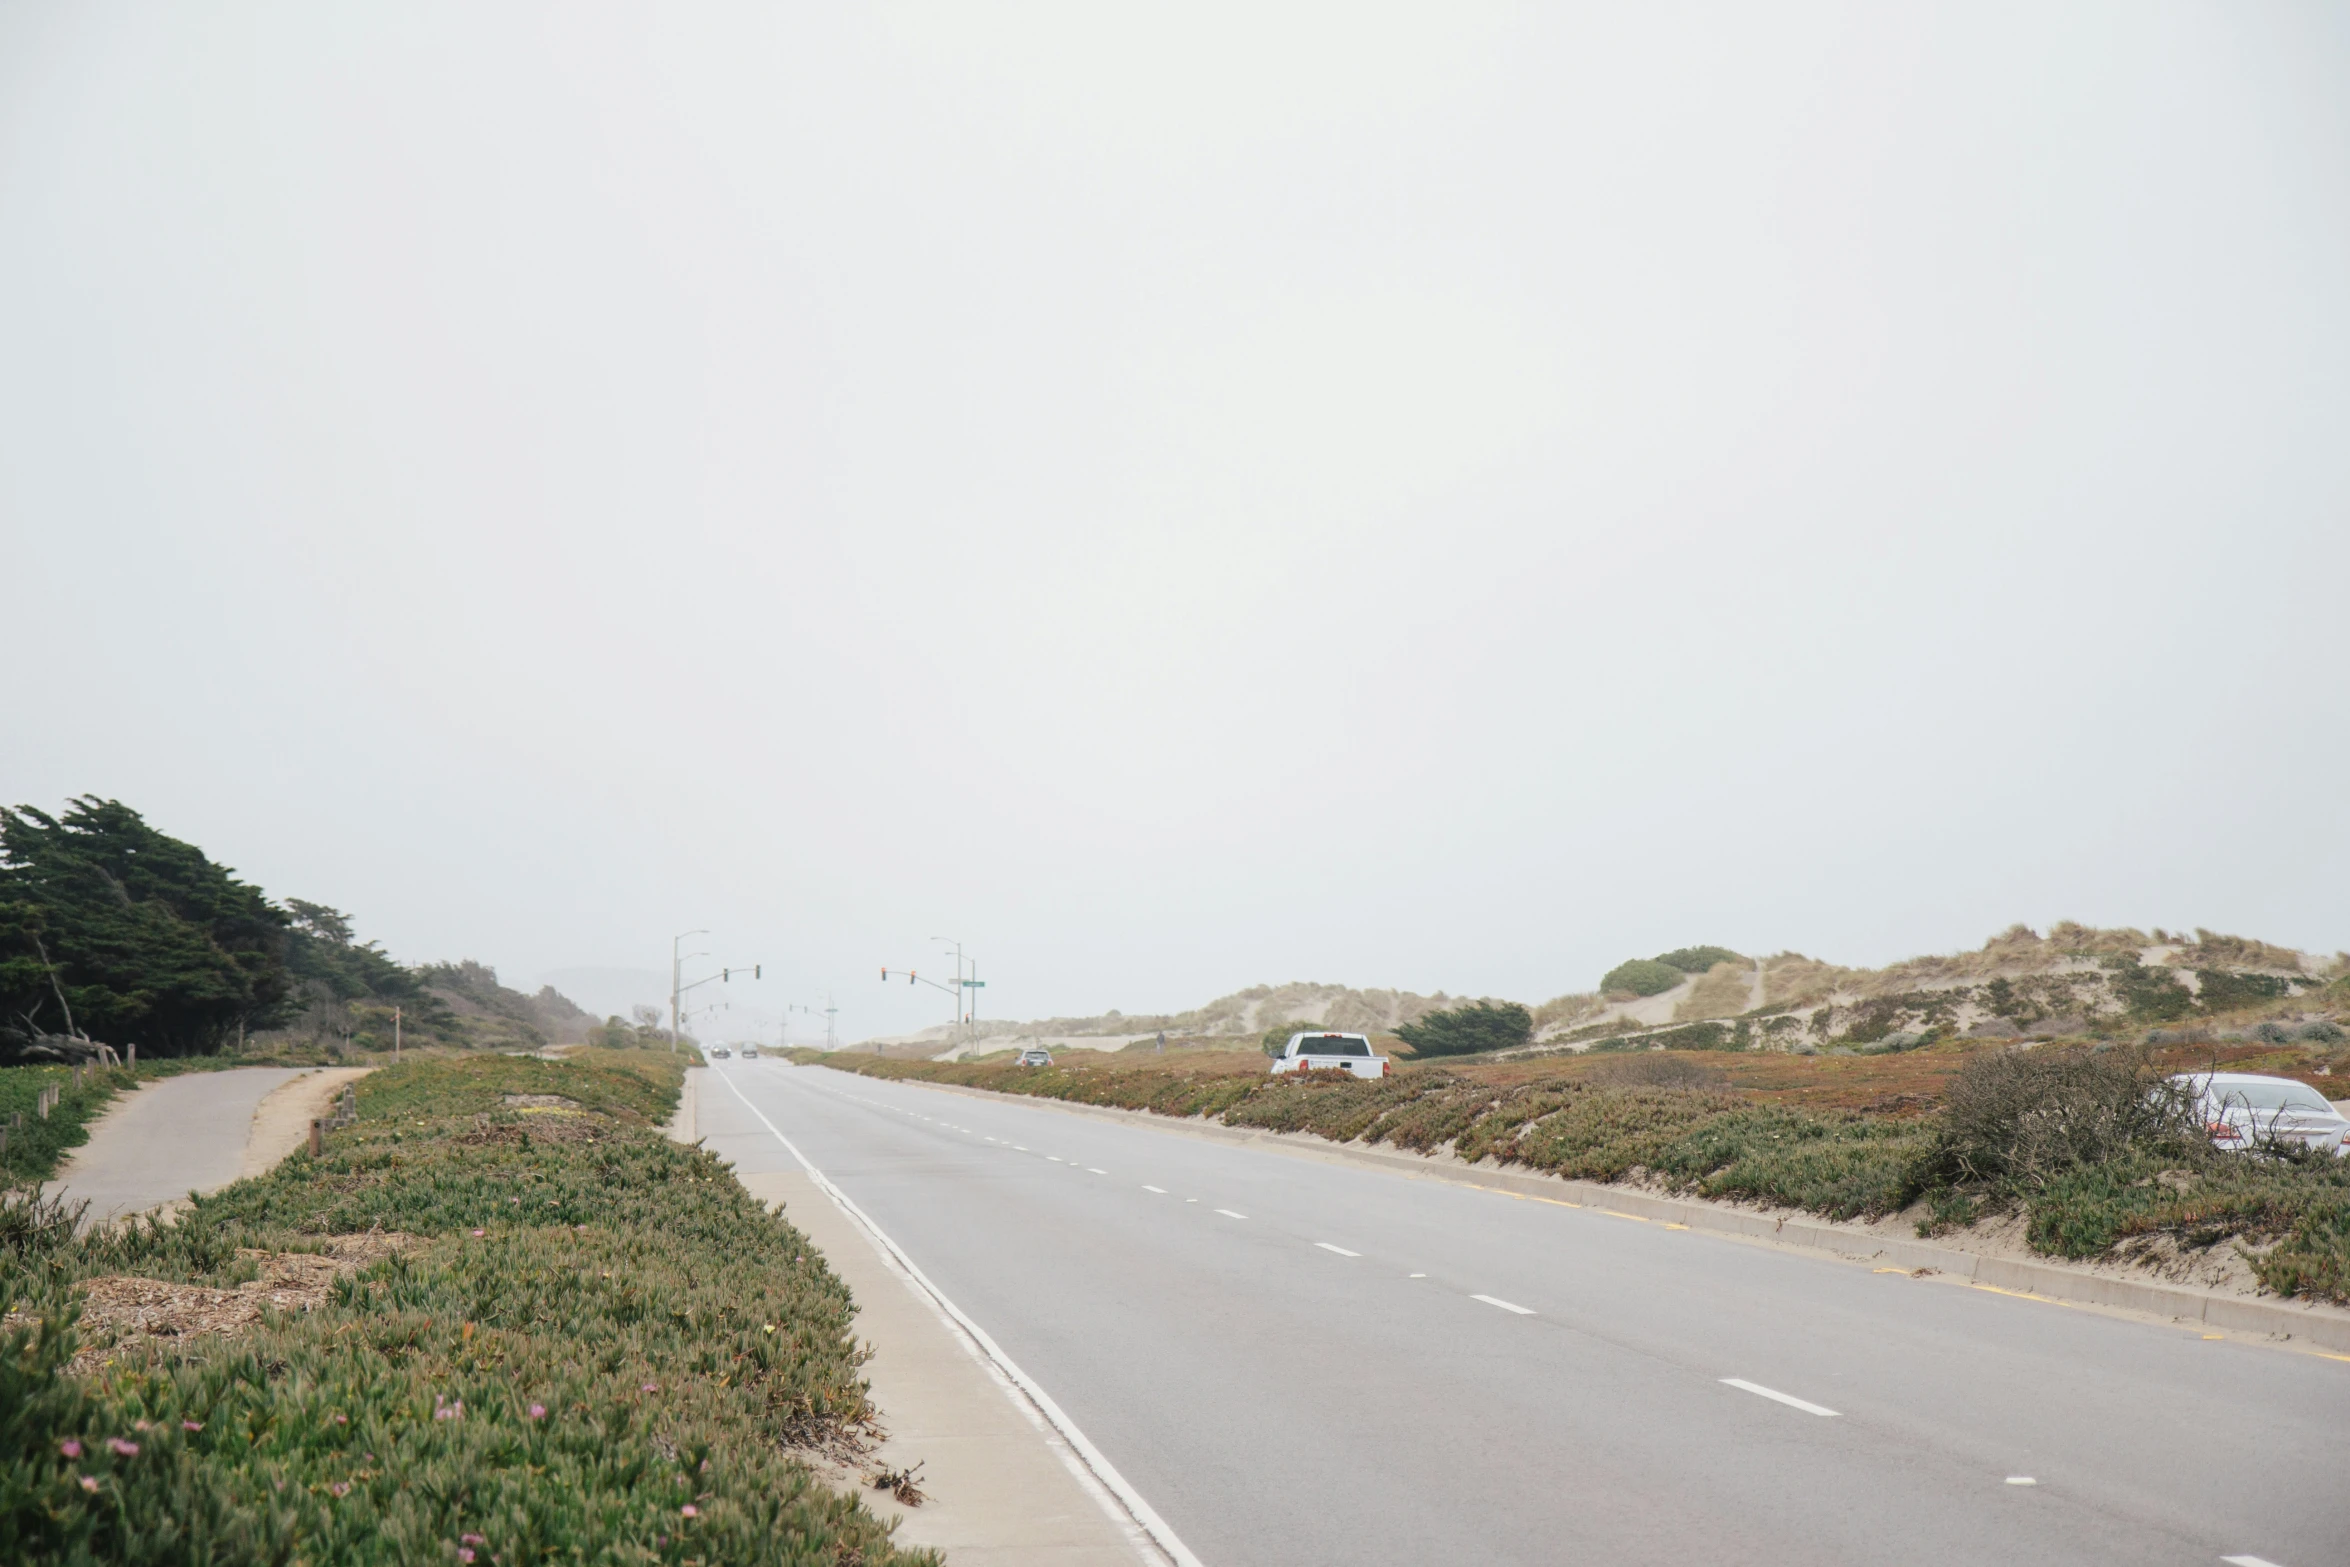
x=2319 y=1326
x=684 y=1121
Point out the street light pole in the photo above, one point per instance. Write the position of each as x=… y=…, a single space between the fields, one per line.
x=676 y=972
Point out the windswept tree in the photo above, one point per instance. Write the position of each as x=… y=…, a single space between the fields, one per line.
x=113 y=930
x=1469 y=1030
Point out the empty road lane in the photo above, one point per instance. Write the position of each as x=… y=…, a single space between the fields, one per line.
x=1294 y=1361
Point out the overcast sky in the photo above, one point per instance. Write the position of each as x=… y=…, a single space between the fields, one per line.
x=1188 y=496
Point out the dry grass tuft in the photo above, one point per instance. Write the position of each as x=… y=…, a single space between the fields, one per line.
x=1722 y=991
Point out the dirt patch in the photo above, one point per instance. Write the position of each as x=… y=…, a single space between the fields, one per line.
x=537 y=1124
x=120 y=1312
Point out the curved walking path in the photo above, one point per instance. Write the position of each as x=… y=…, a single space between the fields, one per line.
x=194 y=1133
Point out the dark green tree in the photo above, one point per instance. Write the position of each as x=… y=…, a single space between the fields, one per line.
x=1469 y=1030
x=136 y=935
x=320 y=950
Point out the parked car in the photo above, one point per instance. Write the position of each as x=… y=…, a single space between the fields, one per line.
x=1323 y=1052
x=1035 y=1055
x=2241 y=1110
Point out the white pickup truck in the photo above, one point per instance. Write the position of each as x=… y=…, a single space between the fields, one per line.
x=1324 y=1052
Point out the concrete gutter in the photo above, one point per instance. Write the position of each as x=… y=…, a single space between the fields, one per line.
x=2324 y=1328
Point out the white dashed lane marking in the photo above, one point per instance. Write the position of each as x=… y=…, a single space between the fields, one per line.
x=1161 y=1190
x=1227 y=1212
x=1523 y=1311
x=1341 y=1250
x=1789 y=1399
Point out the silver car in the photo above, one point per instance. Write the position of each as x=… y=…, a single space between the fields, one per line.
x=1035 y=1056
x=2241 y=1111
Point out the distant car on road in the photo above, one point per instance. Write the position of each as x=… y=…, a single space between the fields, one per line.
x=750 y=1052
x=720 y=1053
x=1035 y=1055
x=2241 y=1111
x=1324 y=1052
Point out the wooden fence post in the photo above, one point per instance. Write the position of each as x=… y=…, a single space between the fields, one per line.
x=317 y=1139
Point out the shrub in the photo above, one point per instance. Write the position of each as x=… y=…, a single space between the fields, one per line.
x=2021 y=1118
x=2150 y=995
x=1642 y=977
x=1696 y=960
x=1469 y=1030
x=1276 y=1039
x=1652 y=1070
x=2220 y=991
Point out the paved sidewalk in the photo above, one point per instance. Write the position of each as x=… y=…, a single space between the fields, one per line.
x=168 y=1138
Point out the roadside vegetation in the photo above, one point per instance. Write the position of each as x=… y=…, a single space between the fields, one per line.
x=503 y=1319
x=2077 y=1137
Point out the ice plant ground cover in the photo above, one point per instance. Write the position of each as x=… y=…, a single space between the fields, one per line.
x=570 y=1339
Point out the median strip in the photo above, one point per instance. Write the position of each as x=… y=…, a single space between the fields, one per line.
x=1789 y=1399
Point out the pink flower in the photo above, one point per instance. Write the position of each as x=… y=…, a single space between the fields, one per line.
x=690 y=1510
x=89 y=1482
x=342 y=1420
x=191 y=1425
x=341 y=1488
x=141 y=1425
x=652 y=1387
x=465 y=1553
x=472 y=1539
x=123 y=1449
x=538 y=1411
x=70 y=1448
x=477 y=1234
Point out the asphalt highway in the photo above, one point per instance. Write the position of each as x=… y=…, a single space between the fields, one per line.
x=1300 y=1362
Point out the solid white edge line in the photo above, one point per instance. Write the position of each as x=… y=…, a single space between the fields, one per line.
x=1789 y=1399
x=1103 y=1474
x=1341 y=1250
x=1523 y=1311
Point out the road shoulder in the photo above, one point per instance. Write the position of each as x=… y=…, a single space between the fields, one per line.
x=999 y=1485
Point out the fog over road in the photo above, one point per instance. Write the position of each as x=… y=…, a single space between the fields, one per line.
x=1302 y=1362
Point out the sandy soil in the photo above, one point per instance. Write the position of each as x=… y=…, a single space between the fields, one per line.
x=281 y=1122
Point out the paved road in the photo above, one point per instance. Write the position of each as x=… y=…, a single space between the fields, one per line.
x=1300 y=1362
x=167 y=1139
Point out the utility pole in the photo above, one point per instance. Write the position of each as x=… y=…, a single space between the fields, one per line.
x=827 y=1012
x=395 y=1036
